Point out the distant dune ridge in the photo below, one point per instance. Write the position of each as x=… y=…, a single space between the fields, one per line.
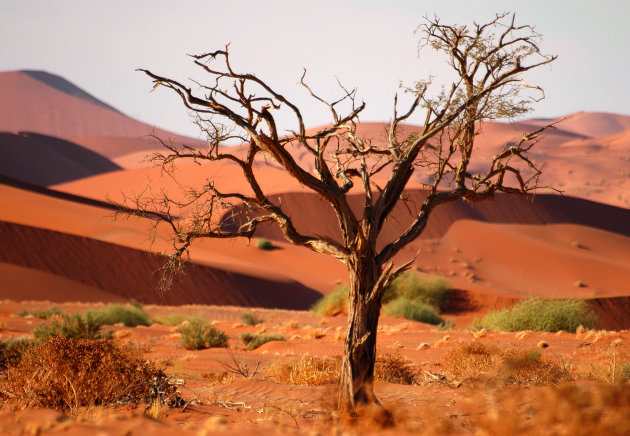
x=65 y=152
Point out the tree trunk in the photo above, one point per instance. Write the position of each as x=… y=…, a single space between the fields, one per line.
x=357 y=370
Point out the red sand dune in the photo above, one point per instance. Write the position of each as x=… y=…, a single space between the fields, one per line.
x=46 y=160
x=40 y=102
x=128 y=273
x=591 y=124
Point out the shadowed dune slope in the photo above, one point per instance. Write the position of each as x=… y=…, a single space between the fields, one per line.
x=128 y=273
x=37 y=101
x=46 y=160
x=541 y=209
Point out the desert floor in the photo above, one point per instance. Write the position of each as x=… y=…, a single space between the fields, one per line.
x=436 y=403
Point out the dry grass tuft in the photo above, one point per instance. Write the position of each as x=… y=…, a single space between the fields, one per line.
x=307 y=371
x=394 y=368
x=65 y=374
x=476 y=361
x=569 y=409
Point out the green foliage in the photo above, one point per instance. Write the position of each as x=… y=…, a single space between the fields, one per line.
x=434 y=291
x=332 y=304
x=75 y=326
x=11 y=351
x=253 y=341
x=251 y=319
x=198 y=335
x=129 y=315
x=625 y=372
x=41 y=313
x=541 y=315
x=409 y=296
x=173 y=319
x=413 y=310
x=264 y=244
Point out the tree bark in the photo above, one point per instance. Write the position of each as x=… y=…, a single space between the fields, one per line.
x=357 y=370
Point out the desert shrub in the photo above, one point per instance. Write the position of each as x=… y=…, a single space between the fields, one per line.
x=251 y=319
x=65 y=374
x=307 y=371
x=199 y=335
x=413 y=310
x=75 y=326
x=476 y=361
x=434 y=291
x=253 y=341
x=41 y=313
x=568 y=409
x=264 y=244
x=129 y=315
x=175 y=319
x=541 y=315
x=394 y=368
x=12 y=349
x=332 y=304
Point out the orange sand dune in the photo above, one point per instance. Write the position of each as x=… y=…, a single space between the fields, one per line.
x=128 y=273
x=541 y=209
x=36 y=101
x=21 y=283
x=591 y=124
x=551 y=261
x=46 y=160
x=235 y=257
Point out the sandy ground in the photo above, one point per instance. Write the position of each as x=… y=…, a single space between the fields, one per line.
x=260 y=405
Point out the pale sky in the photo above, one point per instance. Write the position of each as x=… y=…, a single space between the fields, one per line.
x=97 y=45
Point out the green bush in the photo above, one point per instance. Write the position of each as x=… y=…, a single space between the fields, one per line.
x=11 y=351
x=332 y=304
x=251 y=319
x=413 y=310
x=130 y=316
x=253 y=341
x=434 y=291
x=198 y=335
x=41 y=313
x=75 y=326
x=174 y=319
x=264 y=244
x=541 y=315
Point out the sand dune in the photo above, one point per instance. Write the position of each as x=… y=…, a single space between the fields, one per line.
x=46 y=160
x=129 y=274
x=590 y=124
x=50 y=105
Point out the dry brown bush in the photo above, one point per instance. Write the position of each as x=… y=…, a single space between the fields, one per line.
x=307 y=371
x=65 y=374
x=476 y=361
x=568 y=409
x=394 y=368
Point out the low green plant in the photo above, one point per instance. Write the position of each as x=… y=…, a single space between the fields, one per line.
x=253 y=341
x=434 y=291
x=198 y=335
x=541 y=315
x=332 y=304
x=251 y=319
x=75 y=326
x=41 y=313
x=129 y=315
x=264 y=244
x=174 y=319
x=413 y=310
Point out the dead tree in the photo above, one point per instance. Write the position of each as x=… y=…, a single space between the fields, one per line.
x=488 y=61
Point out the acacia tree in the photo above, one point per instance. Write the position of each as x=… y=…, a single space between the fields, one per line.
x=487 y=60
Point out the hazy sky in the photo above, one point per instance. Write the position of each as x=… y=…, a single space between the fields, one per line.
x=368 y=44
